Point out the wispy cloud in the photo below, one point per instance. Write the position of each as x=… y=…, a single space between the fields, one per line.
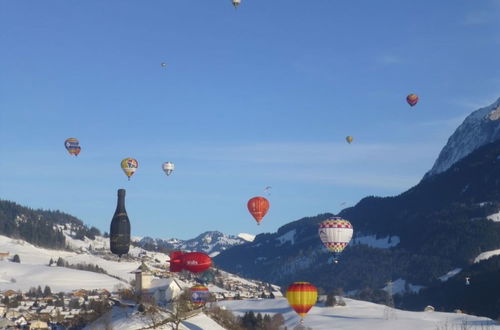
x=479 y=17
x=389 y=59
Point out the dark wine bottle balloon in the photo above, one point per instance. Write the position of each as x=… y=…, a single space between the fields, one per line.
x=119 y=233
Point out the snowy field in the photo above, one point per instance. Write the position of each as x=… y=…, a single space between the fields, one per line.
x=58 y=278
x=127 y=318
x=361 y=315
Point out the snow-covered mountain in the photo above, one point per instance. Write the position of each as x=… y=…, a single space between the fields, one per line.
x=479 y=128
x=210 y=242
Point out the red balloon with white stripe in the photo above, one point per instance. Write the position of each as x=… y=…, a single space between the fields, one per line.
x=335 y=233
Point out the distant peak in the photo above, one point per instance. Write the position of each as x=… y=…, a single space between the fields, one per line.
x=246 y=237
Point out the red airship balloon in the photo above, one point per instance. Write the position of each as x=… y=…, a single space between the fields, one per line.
x=258 y=207
x=195 y=262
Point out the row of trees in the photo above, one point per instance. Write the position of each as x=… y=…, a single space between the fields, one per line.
x=80 y=266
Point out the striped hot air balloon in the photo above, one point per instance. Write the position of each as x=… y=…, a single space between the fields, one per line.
x=302 y=296
x=199 y=295
x=73 y=146
x=412 y=99
x=335 y=233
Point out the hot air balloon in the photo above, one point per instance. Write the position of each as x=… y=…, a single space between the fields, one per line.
x=129 y=166
x=119 y=233
x=195 y=262
x=73 y=146
x=199 y=295
x=301 y=296
x=412 y=99
x=267 y=190
x=349 y=139
x=258 y=207
x=168 y=167
x=236 y=3
x=335 y=233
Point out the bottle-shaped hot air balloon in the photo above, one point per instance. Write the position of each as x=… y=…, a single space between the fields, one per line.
x=129 y=166
x=168 y=168
x=302 y=296
x=335 y=233
x=258 y=207
x=412 y=99
x=119 y=233
x=73 y=146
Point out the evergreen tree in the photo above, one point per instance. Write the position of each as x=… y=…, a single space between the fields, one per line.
x=16 y=259
x=330 y=300
x=39 y=292
x=51 y=261
x=60 y=262
x=46 y=291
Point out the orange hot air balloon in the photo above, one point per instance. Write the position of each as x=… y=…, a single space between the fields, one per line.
x=302 y=296
x=412 y=99
x=258 y=207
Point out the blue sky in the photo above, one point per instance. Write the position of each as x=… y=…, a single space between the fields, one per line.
x=259 y=96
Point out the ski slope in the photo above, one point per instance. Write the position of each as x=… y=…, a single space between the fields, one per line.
x=360 y=315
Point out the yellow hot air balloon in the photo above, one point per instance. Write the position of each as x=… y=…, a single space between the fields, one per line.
x=349 y=139
x=129 y=166
x=302 y=296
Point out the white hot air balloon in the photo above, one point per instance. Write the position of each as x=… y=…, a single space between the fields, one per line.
x=335 y=233
x=168 y=167
x=236 y=3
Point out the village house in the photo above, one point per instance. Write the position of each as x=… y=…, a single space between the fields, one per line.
x=159 y=290
x=38 y=325
x=4 y=255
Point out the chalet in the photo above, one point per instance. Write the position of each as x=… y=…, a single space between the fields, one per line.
x=10 y=293
x=38 y=325
x=21 y=321
x=3 y=309
x=4 y=255
x=6 y=324
x=159 y=290
x=80 y=293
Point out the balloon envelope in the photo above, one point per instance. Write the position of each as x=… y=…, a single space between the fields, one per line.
x=349 y=139
x=412 y=99
x=195 y=262
x=73 y=146
x=236 y=3
x=199 y=295
x=301 y=296
x=129 y=166
x=335 y=233
x=168 y=168
x=258 y=207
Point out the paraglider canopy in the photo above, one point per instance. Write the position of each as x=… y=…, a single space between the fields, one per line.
x=163 y=64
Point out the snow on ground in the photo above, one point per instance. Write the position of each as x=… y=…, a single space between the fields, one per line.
x=487 y=255
x=247 y=237
x=289 y=236
x=58 y=278
x=360 y=315
x=373 y=241
x=30 y=254
x=399 y=286
x=450 y=274
x=494 y=217
x=128 y=318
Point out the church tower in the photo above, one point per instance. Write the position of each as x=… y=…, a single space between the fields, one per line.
x=143 y=278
